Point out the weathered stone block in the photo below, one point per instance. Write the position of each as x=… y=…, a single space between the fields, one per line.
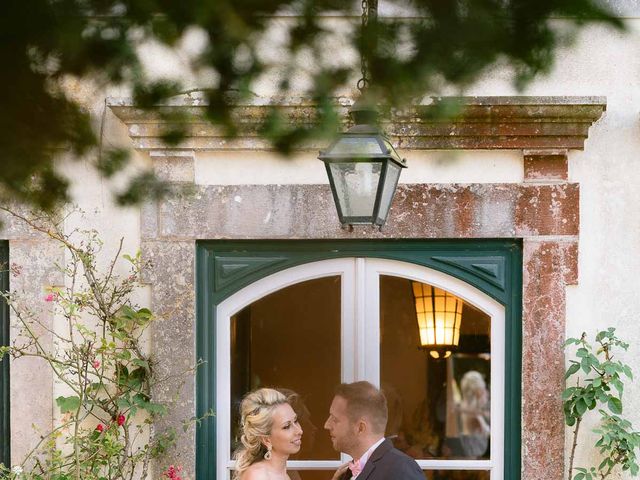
x=418 y=211
x=173 y=166
x=171 y=274
x=545 y=165
x=544 y=267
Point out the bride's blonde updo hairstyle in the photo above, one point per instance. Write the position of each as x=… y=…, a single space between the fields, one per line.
x=256 y=421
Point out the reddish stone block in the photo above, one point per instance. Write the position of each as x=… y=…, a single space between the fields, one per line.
x=544 y=165
x=544 y=273
x=548 y=210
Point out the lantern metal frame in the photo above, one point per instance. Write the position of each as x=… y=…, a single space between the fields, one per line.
x=365 y=130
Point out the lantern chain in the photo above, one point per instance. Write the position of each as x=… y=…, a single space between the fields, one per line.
x=369 y=8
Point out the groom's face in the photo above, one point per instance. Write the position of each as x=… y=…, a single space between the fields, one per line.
x=341 y=430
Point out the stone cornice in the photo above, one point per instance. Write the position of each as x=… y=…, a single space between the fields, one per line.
x=511 y=123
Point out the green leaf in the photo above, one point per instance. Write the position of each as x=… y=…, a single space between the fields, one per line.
x=156 y=408
x=586 y=365
x=582 y=352
x=618 y=384
x=124 y=355
x=140 y=363
x=581 y=406
x=68 y=404
x=571 y=370
x=615 y=405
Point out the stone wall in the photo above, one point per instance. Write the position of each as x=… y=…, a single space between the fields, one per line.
x=31 y=393
x=543 y=211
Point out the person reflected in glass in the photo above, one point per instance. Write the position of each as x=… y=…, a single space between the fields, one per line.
x=474 y=415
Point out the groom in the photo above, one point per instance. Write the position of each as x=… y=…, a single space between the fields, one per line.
x=356 y=424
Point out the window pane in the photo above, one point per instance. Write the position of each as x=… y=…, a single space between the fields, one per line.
x=291 y=340
x=456 y=475
x=438 y=407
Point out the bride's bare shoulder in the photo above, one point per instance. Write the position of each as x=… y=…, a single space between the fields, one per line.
x=255 y=472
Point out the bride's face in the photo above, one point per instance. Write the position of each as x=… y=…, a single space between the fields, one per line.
x=286 y=434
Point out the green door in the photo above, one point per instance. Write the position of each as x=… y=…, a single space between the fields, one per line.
x=227 y=270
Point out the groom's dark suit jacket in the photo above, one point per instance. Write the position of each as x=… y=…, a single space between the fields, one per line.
x=388 y=463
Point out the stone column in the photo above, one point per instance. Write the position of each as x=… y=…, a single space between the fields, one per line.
x=550 y=262
x=171 y=275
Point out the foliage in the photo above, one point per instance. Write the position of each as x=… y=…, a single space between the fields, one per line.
x=96 y=354
x=602 y=385
x=47 y=44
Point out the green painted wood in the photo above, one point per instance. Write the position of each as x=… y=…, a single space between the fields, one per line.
x=5 y=445
x=225 y=267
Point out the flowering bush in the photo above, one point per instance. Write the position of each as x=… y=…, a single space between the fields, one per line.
x=173 y=473
x=107 y=409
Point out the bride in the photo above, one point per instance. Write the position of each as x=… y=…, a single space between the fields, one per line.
x=270 y=432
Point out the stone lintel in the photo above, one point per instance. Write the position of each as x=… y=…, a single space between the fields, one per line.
x=418 y=211
x=511 y=123
x=545 y=165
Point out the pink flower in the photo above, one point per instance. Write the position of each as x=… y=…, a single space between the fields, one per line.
x=100 y=428
x=173 y=473
x=96 y=364
x=121 y=420
x=50 y=298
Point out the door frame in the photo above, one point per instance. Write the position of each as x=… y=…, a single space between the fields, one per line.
x=5 y=436
x=223 y=268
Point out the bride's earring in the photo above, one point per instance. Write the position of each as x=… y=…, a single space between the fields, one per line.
x=267 y=456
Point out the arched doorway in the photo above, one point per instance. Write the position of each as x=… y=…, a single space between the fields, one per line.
x=309 y=327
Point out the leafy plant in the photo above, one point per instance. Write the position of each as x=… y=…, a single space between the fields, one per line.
x=600 y=384
x=98 y=358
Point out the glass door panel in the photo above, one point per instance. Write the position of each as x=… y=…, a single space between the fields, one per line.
x=290 y=340
x=309 y=328
x=438 y=395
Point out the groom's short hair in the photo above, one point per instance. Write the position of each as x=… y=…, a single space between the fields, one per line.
x=365 y=400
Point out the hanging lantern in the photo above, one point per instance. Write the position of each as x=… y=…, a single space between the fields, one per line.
x=439 y=314
x=362 y=165
x=363 y=170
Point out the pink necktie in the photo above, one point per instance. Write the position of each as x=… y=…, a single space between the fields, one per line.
x=355 y=468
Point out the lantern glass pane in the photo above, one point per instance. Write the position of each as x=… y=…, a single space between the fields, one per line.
x=388 y=189
x=426 y=401
x=356 y=185
x=356 y=146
